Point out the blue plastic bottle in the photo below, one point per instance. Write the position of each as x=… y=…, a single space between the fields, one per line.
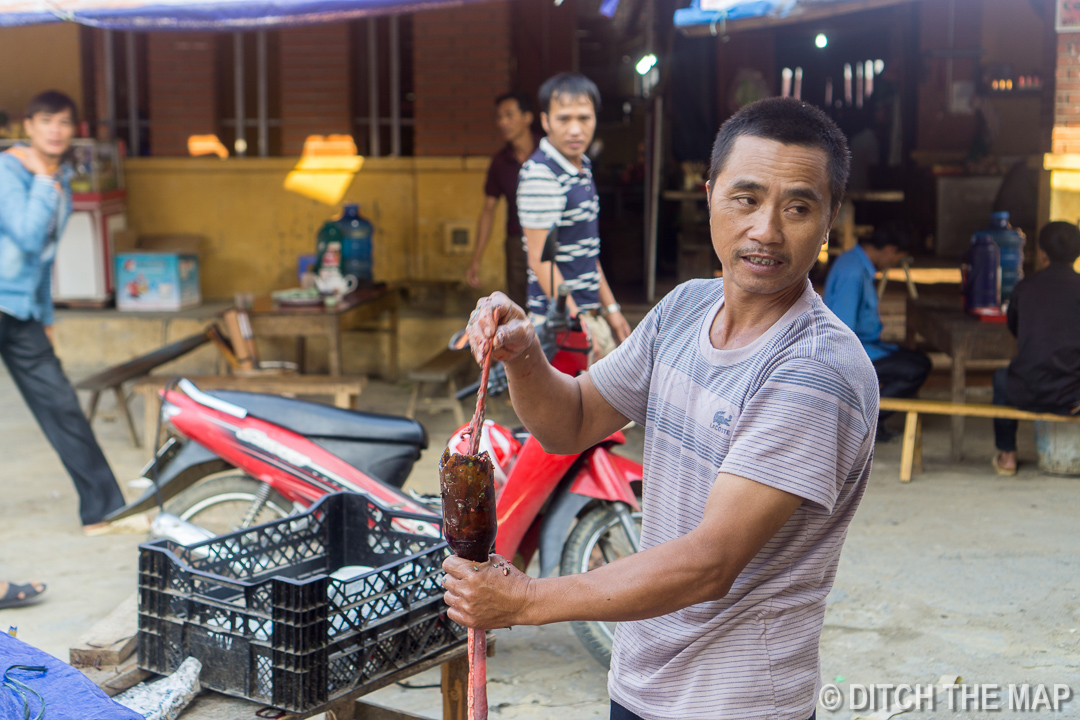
x=982 y=275
x=356 y=235
x=1010 y=242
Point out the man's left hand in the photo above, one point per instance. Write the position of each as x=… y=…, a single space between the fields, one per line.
x=619 y=327
x=485 y=595
x=49 y=334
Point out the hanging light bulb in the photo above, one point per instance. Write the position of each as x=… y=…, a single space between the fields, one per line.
x=645 y=64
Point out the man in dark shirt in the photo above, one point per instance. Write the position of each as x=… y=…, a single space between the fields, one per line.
x=513 y=115
x=1044 y=315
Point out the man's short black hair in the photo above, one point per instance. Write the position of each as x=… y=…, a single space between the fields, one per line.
x=791 y=122
x=523 y=101
x=572 y=85
x=1061 y=242
x=890 y=233
x=52 y=102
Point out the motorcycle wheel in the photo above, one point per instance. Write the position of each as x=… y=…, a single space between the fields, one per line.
x=221 y=503
x=596 y=540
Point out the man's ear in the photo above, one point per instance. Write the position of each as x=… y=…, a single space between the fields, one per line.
x=544 y=122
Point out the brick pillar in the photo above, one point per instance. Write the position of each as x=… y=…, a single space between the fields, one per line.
x=182 y=89
x=462 y=62
x=1066 y=136
x=315 y=97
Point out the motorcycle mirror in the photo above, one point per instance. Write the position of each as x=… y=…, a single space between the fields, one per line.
x=460 y=340
x=551 y=245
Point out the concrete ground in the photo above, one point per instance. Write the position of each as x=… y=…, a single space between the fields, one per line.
x=960 y=572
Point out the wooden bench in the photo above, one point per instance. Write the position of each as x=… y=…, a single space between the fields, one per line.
x=443 y=369
x=911 y=454
x=114 y=378
x=344 y=390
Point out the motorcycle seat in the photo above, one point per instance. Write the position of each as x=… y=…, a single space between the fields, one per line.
x=317 y=420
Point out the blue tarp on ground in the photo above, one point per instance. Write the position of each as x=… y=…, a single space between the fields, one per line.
x=68 y=694
x=204 y=14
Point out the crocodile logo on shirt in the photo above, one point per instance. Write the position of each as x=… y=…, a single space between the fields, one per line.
x=721 y=421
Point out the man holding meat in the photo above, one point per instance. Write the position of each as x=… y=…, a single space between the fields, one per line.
x=720 y=614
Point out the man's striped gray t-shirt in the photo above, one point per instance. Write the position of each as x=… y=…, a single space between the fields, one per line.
x=795 y=410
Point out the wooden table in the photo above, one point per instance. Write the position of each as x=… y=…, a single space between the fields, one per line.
x=455 y=681
x=360 y=310
x=944 y=324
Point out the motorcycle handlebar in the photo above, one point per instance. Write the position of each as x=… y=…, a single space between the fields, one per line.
x=560 y=301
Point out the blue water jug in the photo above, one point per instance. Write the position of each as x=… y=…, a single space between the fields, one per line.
x=1010 y=242
x=982 y=275
x=356 y=234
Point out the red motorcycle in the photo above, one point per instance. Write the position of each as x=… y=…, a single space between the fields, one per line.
x=234 y=459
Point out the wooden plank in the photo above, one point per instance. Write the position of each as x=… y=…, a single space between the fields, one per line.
x=917 y=459
x=941 y=407
x=215 y=706
x=112 y=640
x=455 y=684
x=907 y=454
x=115 y=679
x=242 y=347
x=275 y=384
x=142 y=365
x=372 y=711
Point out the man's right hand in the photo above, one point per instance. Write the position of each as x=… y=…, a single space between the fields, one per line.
x=496 y=316
x=472 y=275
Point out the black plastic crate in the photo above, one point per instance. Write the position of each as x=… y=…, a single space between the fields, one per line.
x=261 y=612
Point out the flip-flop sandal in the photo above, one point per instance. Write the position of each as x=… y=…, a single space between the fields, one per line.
x=17 y=595
x=999 y=469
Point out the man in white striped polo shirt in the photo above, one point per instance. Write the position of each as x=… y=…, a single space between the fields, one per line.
x=759 y=409
x=556 y=188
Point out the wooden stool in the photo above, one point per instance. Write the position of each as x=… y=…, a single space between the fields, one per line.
x=443 y=369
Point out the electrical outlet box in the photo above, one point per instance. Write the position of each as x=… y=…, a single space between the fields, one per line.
x=459 y=237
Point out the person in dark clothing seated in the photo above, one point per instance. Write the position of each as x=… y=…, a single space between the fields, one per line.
x=851 y=295
x=1044 y=315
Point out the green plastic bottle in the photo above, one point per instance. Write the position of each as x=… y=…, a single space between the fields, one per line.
x=328 y=248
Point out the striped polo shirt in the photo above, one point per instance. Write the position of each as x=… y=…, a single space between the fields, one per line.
x=551 y=191
x=795 y=410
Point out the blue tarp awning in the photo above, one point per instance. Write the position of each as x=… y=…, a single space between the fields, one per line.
x=727 y=10
x=203 y=14
x=717 y=12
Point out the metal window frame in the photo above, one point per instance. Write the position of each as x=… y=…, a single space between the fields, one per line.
x=373 y=120
x=239 y=117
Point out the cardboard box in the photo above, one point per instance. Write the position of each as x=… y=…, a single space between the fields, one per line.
x=154 y=281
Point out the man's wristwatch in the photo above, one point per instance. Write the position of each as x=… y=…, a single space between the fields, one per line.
x=612 y=308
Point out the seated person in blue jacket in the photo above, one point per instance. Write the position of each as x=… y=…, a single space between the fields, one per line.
x=1044 y=315
x=851 y=295
x=35 y=202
